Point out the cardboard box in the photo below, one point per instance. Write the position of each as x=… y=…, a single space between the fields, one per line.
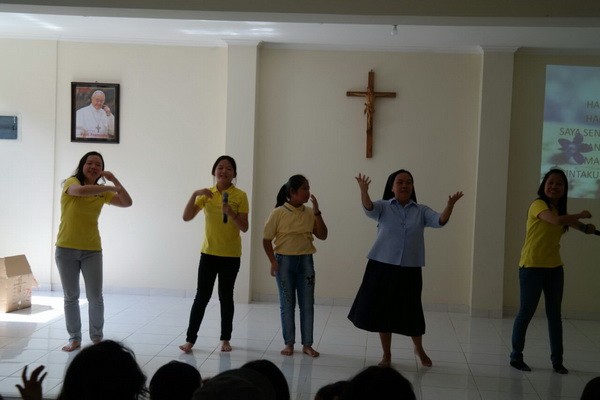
x=16 y=281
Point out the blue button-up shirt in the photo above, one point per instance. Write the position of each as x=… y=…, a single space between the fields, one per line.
x=400 y=231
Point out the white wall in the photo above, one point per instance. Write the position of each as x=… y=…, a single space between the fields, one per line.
x=172 y=130
x=28 y=88
x=172 y=106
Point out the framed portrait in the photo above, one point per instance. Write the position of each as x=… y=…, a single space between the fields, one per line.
x=94 y=112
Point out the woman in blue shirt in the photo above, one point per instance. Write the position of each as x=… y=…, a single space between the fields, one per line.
x=389 y=298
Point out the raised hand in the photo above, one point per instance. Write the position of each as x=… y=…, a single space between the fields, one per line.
x=315 y=204
x=32 y=387
x=452 y=199
x=363 y=182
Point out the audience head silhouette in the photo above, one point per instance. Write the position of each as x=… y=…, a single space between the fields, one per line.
x=106 y=370
x=175 y=380
x=591 y=391
x=275 y=376
x=377 y=382
x=331 y=391
x=236 y=384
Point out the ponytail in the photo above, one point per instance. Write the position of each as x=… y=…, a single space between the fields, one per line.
x=282 y=196
x=293 y=184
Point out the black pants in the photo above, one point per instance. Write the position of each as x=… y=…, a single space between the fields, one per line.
x=226 y=268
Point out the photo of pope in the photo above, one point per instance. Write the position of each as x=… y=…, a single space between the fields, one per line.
x=95 y=120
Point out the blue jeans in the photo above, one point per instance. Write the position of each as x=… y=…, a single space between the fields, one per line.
x=534 y=281
x=296 y=275
x=70 y=262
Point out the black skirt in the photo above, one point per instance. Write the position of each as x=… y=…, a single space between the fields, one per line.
x=389 y=300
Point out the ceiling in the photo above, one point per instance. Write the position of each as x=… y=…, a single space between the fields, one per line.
x=310 y=31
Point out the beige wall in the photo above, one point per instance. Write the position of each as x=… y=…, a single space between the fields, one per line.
x=579 y=252
x=307 y=125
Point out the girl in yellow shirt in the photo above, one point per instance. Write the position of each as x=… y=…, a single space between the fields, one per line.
x=541 y=268
x=226 y=215
x=291 y=227
x=78 y=245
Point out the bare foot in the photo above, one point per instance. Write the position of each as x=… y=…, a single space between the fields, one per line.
x=425 y=360
x=225 y=346
x=386 y=361
x=287 y=350
x=73 y=345
x=310 y=351
x=186 y=347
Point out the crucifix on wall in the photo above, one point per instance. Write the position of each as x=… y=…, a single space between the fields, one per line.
x=370 y=95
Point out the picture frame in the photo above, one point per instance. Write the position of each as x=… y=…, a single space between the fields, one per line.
x=95 y=112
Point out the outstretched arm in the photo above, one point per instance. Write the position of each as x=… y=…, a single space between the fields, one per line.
x=78 y=190
x=452 y=199
x=571 y=220
x=363 y=183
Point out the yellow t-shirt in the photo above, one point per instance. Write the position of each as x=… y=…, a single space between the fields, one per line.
x=292 y=229
x=542 y=240
x=79 y=219
x=222 y=239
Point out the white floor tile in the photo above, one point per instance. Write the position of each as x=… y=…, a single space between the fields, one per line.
x=470 y=355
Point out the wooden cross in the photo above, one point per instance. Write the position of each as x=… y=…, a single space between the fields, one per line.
x=370 y=95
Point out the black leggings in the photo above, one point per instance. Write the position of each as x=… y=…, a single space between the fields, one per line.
x=210 y=266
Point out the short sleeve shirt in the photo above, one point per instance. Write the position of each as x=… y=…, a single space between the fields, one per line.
x=400 y=232
x=222 y=239
x=291 y=228
x=79 y=215
x=542 y=239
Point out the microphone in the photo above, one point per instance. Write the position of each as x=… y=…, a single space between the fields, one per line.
x=225 y=201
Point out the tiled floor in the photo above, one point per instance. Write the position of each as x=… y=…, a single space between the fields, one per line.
x=470 y=355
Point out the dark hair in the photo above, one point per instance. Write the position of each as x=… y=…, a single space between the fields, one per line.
x=236 y=384
x=293 y=184
x=78 y=173
x=331 y=391
x=562 y=202
x=561 y=206
x=274 y=374
x=228 y=158
x=107 y=370
x=175 y=380
x=378 y=383
x=387 y=192
x=591 y=391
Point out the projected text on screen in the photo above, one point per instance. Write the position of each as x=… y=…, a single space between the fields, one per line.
x=571 y=131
